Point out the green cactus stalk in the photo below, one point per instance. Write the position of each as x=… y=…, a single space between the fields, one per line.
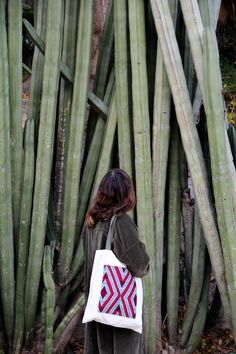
x=65 y=100
x=190 y=139
x=24 y=232
x=6 y=218
x=105 y=53
x=28 y=180
x=49 y=299
x=75 y=138
x=208 y=9
x=197 y=279
x=37 y=66
x=220 y=165
x=15 y=95
x=205 y=19
x=143 y=162
x=161 y=136
x=160 y=147
x=104 y=62
x=44 y=160
x=173 y=233
x=209 y=12
x=122 y=92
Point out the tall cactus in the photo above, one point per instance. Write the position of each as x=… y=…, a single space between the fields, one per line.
x=220 y=165
x=28 y=179
x=44 y=159
x=65 y=101
x=15 y=94
x=160 y=147
x=6 y=222
x=122 y=94
x=190 y=139
x=173 y=232
x=141 y=127
x=75 y=138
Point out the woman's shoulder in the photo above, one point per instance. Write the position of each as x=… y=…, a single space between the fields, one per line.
x=125 y=221
x=124 y=218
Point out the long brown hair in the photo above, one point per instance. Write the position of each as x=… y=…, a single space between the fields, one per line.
x=115 y=196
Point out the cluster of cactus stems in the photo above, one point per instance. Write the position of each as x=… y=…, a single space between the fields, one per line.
x=142 y=115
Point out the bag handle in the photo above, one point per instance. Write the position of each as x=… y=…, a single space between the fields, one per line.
x=110 y=232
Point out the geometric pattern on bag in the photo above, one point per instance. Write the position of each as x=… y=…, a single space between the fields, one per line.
x=118 y=294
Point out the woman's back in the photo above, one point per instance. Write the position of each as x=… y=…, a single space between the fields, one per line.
x=129 y=250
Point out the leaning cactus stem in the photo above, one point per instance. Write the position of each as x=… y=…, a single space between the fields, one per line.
x=190 y=139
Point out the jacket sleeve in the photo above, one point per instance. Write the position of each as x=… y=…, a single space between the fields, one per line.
x=128 y=248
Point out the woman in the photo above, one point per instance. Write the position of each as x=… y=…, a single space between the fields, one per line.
x=115 y=196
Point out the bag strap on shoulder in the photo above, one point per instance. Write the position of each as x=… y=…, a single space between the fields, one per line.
x=110 y=232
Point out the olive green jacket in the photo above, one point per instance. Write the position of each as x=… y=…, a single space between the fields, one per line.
x=99 y=338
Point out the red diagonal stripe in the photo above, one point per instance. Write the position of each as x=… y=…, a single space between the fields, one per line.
x=110 y=295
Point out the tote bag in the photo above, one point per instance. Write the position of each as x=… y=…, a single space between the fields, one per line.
x=115 y=296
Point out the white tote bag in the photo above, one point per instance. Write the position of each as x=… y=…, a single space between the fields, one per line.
x=115 y=296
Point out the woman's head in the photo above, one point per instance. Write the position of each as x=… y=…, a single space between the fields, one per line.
x=115 y=195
